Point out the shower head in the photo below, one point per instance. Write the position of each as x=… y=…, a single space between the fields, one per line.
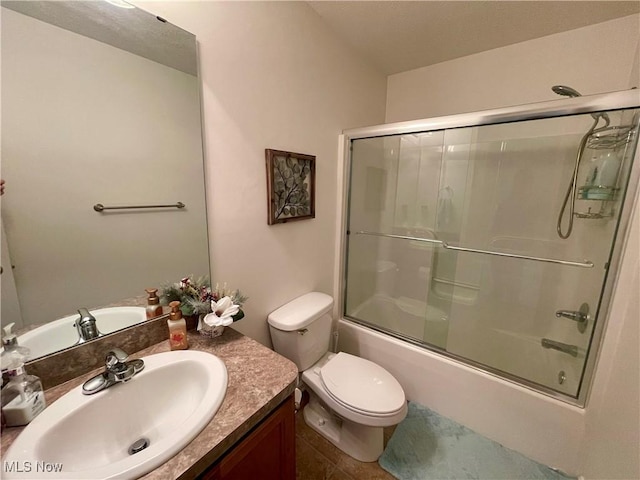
x=572 y=92
x=565 y=91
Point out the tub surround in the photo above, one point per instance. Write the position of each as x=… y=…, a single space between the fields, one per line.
x=273 y=379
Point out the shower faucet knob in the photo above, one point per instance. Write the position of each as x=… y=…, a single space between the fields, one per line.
x=572 y=315
x=581 y=316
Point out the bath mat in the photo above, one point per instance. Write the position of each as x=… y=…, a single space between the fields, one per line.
x=428 y=446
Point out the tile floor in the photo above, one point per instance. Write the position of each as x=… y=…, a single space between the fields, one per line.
x=318 y=459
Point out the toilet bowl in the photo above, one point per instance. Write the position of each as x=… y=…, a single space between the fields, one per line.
x=351 y=398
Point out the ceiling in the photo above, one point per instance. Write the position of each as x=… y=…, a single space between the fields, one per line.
x=396 y=36
x=393 y=35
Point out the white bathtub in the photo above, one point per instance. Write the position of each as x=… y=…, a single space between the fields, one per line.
x=540 y=427
x=512 y=352
x=406 y=316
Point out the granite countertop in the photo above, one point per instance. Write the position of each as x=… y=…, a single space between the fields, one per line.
x=246 y=403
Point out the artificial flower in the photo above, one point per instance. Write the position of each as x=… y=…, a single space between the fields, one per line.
x=195 y=296
x=222 y=312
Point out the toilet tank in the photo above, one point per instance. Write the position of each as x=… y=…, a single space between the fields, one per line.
x=301 y=329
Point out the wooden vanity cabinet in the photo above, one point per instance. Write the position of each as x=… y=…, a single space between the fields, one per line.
x=266 y=453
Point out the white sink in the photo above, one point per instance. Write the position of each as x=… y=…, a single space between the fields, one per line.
x=88 y=436
x=62 y=333
x=116 y=318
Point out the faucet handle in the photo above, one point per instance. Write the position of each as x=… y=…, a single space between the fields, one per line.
x=581 y=317
x=572 y=315
x=117 y=370
x=115 y=356
x=84 y=314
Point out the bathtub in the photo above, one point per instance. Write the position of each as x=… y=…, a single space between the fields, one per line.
x=407 y=316
x=541 y=427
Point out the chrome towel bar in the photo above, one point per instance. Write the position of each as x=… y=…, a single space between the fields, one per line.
x=585 y=264
x=98 y=207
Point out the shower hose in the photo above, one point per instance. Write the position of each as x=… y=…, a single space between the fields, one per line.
x=571 y=191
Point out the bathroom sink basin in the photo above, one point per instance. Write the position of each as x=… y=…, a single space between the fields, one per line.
x=62 y=333
x=81 y=436
x=116 y=318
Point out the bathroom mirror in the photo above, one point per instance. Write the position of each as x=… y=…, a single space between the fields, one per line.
x=100 y=105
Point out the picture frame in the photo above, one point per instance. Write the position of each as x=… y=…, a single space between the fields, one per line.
x=291 y=181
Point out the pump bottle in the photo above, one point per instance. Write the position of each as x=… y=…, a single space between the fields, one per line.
x=10 y=349
x=23 y=397
x=177 y=328
x=153 y=309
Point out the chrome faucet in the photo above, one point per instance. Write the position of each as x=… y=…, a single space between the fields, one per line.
x=86 y=325
x=117 y=370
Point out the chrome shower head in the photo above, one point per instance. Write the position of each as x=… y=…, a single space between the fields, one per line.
x=572 y=92
x=565 y=91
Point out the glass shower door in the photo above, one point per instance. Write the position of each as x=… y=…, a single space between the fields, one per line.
x=453 y=241
x=393 y=197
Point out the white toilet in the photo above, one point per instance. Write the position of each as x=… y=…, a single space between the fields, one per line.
x=351 y=399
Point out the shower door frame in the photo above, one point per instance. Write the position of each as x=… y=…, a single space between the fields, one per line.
x=536 y=111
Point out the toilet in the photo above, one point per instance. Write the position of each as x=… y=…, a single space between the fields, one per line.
x=351 y=399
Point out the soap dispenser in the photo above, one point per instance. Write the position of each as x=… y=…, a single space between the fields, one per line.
x=23 y=397
x=154 y=309
x=10 y=342
x=177 y=328
x=10 y=349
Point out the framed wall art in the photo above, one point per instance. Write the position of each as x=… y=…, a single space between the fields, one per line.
x=291 y=184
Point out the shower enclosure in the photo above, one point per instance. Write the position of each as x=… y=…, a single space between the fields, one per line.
x=452 y=239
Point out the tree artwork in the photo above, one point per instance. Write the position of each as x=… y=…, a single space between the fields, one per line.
x=290 y=186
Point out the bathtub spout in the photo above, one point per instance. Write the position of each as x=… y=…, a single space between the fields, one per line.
x=562 y=347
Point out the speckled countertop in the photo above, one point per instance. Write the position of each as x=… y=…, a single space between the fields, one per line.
x=258 y=381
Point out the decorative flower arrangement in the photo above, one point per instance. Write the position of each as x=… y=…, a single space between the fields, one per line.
x=218 y=307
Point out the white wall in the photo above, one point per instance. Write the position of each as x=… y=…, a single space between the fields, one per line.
x=85 y=123
x=612 y=436
x=592 y=59
x=274 y=76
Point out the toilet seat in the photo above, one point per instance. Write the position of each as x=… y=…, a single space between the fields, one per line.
x=362 y=412
x=362 y=386
x=311 y=378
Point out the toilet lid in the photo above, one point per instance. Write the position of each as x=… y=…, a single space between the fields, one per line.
x=362 y=385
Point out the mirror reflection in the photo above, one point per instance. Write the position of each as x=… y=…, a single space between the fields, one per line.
x=100 y=105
